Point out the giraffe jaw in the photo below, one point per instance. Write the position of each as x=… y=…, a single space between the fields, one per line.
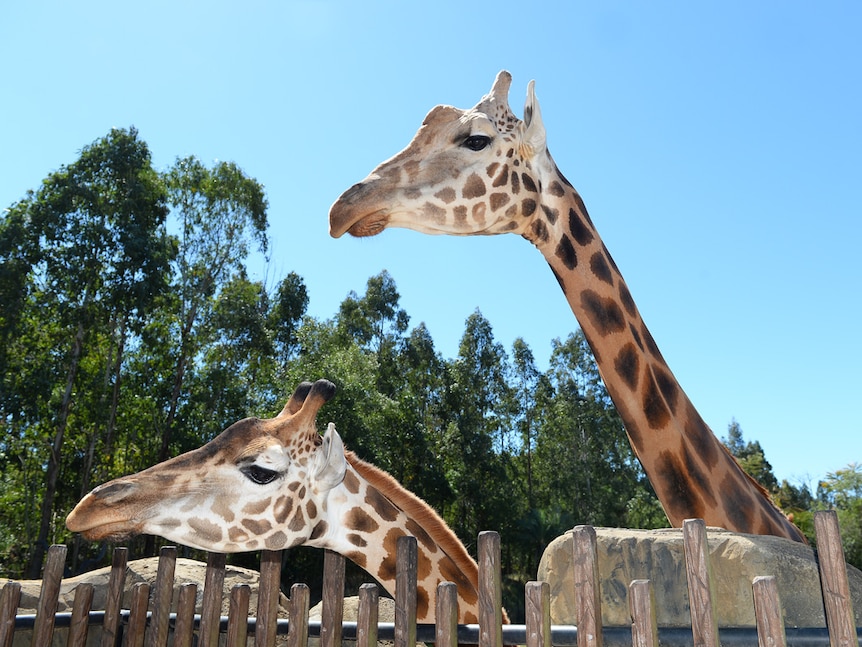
x=368 y=225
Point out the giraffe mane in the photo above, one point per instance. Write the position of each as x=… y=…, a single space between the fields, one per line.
x=420 y=511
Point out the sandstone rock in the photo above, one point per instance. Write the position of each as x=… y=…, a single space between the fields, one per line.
x=144 y=570
x=625 y=555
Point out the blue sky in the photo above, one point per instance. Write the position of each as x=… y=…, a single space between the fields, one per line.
x=718 y=147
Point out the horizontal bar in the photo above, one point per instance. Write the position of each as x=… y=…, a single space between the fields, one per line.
x=561 y=635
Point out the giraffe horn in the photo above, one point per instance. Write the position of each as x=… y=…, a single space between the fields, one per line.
x=500 y=90
x=294 y=404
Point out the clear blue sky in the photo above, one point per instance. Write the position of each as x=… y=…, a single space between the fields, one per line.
x=718 y=147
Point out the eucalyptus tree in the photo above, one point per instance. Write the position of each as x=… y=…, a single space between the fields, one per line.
x=96 y=255
x=220 y=213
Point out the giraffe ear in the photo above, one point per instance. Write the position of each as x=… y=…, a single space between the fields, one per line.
x=534 y=132
x=329 y=461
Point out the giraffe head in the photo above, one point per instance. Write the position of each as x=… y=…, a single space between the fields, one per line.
x=466 y=172
x=259 y=484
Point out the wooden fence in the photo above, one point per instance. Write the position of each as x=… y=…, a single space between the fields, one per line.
x=149 y=619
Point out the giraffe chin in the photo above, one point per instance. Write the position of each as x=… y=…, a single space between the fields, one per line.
x=369 y=225
x=113 y=532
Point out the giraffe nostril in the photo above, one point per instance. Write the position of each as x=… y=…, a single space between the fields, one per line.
x=115 y=490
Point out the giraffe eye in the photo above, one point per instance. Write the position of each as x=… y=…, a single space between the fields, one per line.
x=259 y=475
x=476 y=142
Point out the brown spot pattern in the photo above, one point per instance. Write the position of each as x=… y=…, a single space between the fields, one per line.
x=421 y=535
x=446 y=195
x=460 y=214
x=257 y=526
x=600 y=269
x=381 y=505
x=297 y=521
x=516 y=184
x=627 y=365
x=653 y=404
x=551 y=214
x=256 y=507
x=503 y=178
x=351 y=482
x=605 y=314
x=474 y=187
x=276 y=540
x=236 y=534
x=319 y=530
x=580 y=231
x=528 y=207
x=356 y=540
x=566 y=253
x=529 y=185
x=311 y=509
x=626 y=299
x=539 y=233
x=361 y=521
x=206 y=529
x=498 y=200
x=492 y=168
x=479 y=213
x=556 y=189
x=678 y=497
x=283 y=507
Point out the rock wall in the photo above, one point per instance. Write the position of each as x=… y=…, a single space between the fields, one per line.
x=625 y=555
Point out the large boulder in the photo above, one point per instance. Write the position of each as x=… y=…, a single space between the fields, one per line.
x=658 y=555
x=144 y=570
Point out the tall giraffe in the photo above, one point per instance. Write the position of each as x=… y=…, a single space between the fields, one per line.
x=484 y=171
x=276 y=483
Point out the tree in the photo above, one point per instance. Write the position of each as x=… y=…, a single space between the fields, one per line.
x=842 y=490
x=750 y=457
x=221 y=211
x=95 y=256
x=583 y=461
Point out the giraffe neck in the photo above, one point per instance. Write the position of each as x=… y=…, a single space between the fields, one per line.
x=692 y=472
x=370 y=510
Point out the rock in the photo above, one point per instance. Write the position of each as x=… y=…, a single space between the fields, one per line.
x=144 y=570
x=736 y=559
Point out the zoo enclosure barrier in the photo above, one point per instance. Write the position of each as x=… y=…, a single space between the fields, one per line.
x=149 y=619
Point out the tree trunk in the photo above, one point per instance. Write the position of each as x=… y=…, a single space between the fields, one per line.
x=53 y=471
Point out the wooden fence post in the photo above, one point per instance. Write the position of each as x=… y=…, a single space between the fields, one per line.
x=588 y=610
x=267 y=598
x=446 y=615
x=237 y=616
x=297 y=631
x=833 y=580
x=116 y=581
x=642 y=607
x=10 y=598
x=767 y=612
x=367 y=616
x=332 y=612
x=79 y=623
x=43 y=629
x=490 y=590
x=138 y=614
x=212 y=597
x=406 y=561
x=164 y=590
x=184 y=629
x=537 y=611
x=699 y=574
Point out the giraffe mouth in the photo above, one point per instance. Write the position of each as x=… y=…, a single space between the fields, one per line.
x=368 y=225
x=113 y=532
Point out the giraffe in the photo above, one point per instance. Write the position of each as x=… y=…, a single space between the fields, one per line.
x=484 y=171
x=277 y=483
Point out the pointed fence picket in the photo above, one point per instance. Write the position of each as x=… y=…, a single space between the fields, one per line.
x=149 y=620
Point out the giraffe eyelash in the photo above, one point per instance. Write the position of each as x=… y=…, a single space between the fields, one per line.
x=260 y=475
